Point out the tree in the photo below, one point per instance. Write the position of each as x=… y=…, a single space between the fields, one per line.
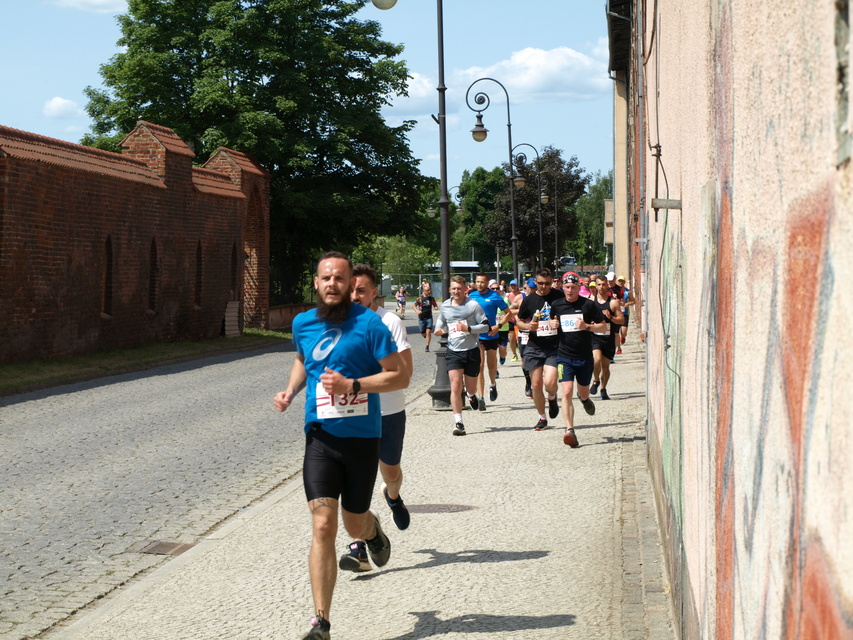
x=564 y=180
x=297 y=84
x=403 y=256
x=588 y=242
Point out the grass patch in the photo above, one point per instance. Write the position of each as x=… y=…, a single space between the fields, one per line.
x=38 y=374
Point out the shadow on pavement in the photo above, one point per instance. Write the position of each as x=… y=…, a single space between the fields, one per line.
x=475 y=556
x=429 y=624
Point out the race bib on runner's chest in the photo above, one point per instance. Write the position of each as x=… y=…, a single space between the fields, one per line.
x=570 y=321
x=346 y=405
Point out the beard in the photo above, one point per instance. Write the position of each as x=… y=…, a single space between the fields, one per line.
x=335 y=313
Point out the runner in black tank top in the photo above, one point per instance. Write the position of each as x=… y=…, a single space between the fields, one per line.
x=604 y=344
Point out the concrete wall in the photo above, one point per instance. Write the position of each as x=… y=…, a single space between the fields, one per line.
x=745 y=309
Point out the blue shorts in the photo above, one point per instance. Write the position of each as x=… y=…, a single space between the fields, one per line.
x=391 y=444
x=424 y=324
x=570 y=370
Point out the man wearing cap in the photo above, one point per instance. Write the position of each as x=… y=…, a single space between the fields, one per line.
x=626 y=301
x=577 y=318
x=540 y=353
x=491 y=302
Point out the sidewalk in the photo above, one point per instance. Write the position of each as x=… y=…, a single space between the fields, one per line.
x=513 y=535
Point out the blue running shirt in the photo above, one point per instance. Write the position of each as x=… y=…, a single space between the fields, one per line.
x=491 y=302
x=352 y=348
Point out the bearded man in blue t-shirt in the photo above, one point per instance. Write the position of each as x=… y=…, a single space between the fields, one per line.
x=345 y=358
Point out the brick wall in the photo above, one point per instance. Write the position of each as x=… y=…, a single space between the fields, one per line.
x=102 y=251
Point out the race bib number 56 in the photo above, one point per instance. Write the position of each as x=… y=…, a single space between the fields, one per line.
x=347 y=405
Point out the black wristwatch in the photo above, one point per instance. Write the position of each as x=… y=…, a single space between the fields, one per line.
x=356 y=386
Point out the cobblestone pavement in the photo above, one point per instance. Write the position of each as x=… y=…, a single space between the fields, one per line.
x=512 y=531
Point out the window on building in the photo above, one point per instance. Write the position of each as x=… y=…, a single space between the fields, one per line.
x=234 y=272
x=107 y=279
x=153 y=276
x=199 y=264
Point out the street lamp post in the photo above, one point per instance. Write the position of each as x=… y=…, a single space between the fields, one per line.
x=543 y=199
x=479 y=133
x=440 y=390
x=444 y=200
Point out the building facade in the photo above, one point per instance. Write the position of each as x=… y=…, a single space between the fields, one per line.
x=736 y=177
x=102 y=251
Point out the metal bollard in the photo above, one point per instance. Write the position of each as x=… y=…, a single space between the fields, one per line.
x=440 y=389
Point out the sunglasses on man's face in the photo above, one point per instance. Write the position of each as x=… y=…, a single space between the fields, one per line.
x=543 y=284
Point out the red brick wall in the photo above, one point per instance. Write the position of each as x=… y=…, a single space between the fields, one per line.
x=56 y=217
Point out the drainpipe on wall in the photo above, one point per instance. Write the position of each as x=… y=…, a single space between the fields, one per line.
x=644 y=220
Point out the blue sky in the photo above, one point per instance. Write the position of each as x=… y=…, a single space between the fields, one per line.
x=551 y=55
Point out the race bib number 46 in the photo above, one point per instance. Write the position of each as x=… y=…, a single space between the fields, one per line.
x=347 y=405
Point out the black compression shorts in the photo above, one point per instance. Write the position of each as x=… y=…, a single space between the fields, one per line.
x=340 y=468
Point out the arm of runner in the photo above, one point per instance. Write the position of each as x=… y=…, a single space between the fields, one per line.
x=295 y=382
x=616 y=316
x=482 y=321
x=393 y=377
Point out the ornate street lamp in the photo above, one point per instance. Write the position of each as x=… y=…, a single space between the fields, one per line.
x=543 y=198
x=479 y=133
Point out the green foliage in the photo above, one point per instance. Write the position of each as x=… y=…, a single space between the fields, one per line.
x=588 y=243
x=403 y=256
x=297 y=84
x=564 y=182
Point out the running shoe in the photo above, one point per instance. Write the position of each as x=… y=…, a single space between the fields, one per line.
x=482 y=404
x=588 y=406
x=426 y=349
x=493 y=392
x=398 y=509
x=604 y=395
x=380 y=546
x=541 y=425
x=594 y=387
x=320 y=629
x=619 y=350
x=497 y=375
x=474 y=402
x=459 y=430
x=356 y=560
x=571 y=439
x=502 y=360
x=553 y=407
x=515 y=358
x=528 y=391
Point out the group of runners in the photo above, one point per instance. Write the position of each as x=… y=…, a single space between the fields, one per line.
x=354 y=361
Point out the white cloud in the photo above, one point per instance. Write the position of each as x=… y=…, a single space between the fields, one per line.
x=61 y=109
x=95 y=6
x=531 y=75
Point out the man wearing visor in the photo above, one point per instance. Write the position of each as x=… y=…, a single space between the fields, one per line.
x=578 y=318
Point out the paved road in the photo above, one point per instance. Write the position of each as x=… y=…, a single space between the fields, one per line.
x=521 y=533
x=93 y=472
